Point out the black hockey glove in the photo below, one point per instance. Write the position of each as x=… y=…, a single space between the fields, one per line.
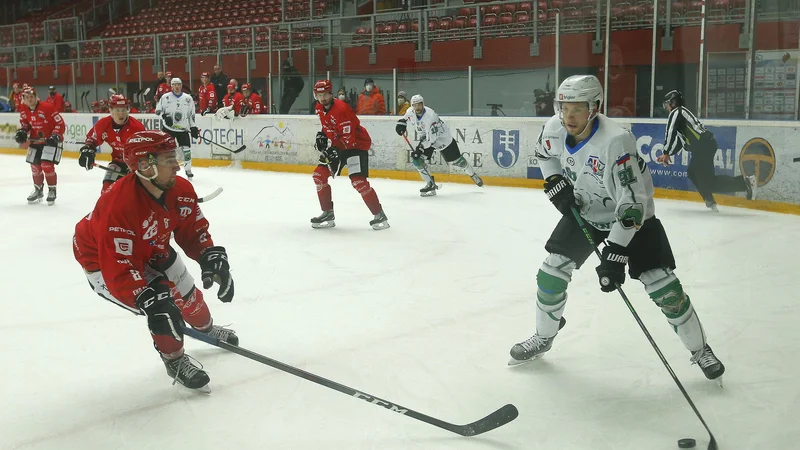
x=205 y=111
x=53 y=141
x=215 y=268
x=86 y=158
x=321 y=143
x=561 y=193
x=21 y=136
x=611 y=270
x=194 y=132
x=167 y=119
x=163 y=316
x=330 y=156
x=419 y=151
x=400 y=128
x=244 y=110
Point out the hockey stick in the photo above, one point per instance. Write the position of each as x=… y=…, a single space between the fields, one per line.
x=207 y=198
x=238 y=150
x=712 y=445
x=494 y=420
x=797 y=159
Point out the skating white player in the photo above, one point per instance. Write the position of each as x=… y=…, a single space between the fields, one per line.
x=177 y=111
x=435 y=135
x=591 y=163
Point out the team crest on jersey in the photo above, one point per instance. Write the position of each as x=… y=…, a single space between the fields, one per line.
x=571 y=161
x=184 y=211
x=597 y=166
x=178 y=116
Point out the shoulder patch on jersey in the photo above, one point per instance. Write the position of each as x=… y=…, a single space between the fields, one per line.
x=623 y=159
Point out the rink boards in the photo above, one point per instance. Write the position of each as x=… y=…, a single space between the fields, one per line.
x=499 y=148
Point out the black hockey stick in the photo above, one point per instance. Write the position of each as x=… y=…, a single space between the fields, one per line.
x=496 y=419
x=712 y=445
x=238 y=150
x=797 y=159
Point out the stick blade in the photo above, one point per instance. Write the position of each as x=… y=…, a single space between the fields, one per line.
x=494 y=420
x=240 y=149
x=210 y=196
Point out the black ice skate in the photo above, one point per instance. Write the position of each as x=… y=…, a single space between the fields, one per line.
x=36 y=195
x=184 y=371
x=324 y=220
x=51 y=195
x=223 y=334
x=430 y=189
x=477 y=179
x=751 y=184
x=380 y=222
x=532 y=348
x=708 y=362
x=189 y=174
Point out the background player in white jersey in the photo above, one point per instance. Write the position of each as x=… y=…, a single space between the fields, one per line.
x=590 y=163
x=434 y=134
x=177 y=114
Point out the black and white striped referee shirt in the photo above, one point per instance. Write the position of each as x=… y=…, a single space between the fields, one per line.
x=683 y=130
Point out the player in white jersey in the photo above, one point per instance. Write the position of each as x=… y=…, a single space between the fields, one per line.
x=176 y=109
x=434 y=135
x=590 y=163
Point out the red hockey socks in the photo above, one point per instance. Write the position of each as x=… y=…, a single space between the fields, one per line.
x=361 y=184
x=321 y=175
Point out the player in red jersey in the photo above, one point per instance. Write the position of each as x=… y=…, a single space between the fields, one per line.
x=251 y=102
x=164 y=87
x=207 y=96
x=16 y=96
x=45 y=126
x=233 y=100
x=349 y=146
x=115 y=131
x=123 y=245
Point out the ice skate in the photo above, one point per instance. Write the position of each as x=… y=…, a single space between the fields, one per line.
x=189 y=175
x=183 y=370
x=324 y=220
x=51 y=195
x=36 y=195
x=751 y=183
x=380 y=222
x=712 y=367
x=712 y=205
x=532 y=348
x=223 y=334
x=430 y=189
x=477 y=179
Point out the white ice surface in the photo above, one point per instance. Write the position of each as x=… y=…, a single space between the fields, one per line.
x=422 y=314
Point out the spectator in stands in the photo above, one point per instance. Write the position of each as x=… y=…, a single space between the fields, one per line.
x=56 y=100
x=402 y=103
x=219 y=80
x=292 y=86
x=371 y=101
x=16 y=97
x=341 y=94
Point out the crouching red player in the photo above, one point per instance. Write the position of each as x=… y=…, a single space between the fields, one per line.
x=124 y=247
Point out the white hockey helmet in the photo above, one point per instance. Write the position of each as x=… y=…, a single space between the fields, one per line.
x=580 y=88
x=416 y=98
x=176 y=80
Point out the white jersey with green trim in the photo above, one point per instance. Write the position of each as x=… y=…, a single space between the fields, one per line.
x=180 y=108
x=612 y=183
x=431 y=129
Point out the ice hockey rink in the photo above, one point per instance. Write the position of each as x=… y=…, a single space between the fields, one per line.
x=422 y=314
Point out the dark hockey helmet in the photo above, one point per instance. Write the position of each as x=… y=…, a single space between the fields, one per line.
x=147 y=145
x=674 y=98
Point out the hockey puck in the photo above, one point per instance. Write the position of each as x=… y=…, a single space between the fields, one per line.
x=686 y=443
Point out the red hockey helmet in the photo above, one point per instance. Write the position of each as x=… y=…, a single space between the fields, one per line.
x=204 y=75
x=168 y=75
x=322 y=86
x=231 y=87
x=28 y=91
x=246 y=86
x=15 y=85
x=118 y=100
x=147 y=144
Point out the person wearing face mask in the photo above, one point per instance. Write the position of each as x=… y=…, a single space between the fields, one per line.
x=371 y=101
x=56 y=100
x=341 y=94
x=402 y=103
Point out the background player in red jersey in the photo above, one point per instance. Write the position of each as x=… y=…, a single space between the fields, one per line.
x=115 y=131
x=44 y=125
x=233 y=100
x=349 y=146
x=163 y=88
x=207 y=95
x=251 y=102
x=16 y=96
x=124 y=248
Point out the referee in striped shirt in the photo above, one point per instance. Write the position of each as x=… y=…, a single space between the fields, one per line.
x=684 y=131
